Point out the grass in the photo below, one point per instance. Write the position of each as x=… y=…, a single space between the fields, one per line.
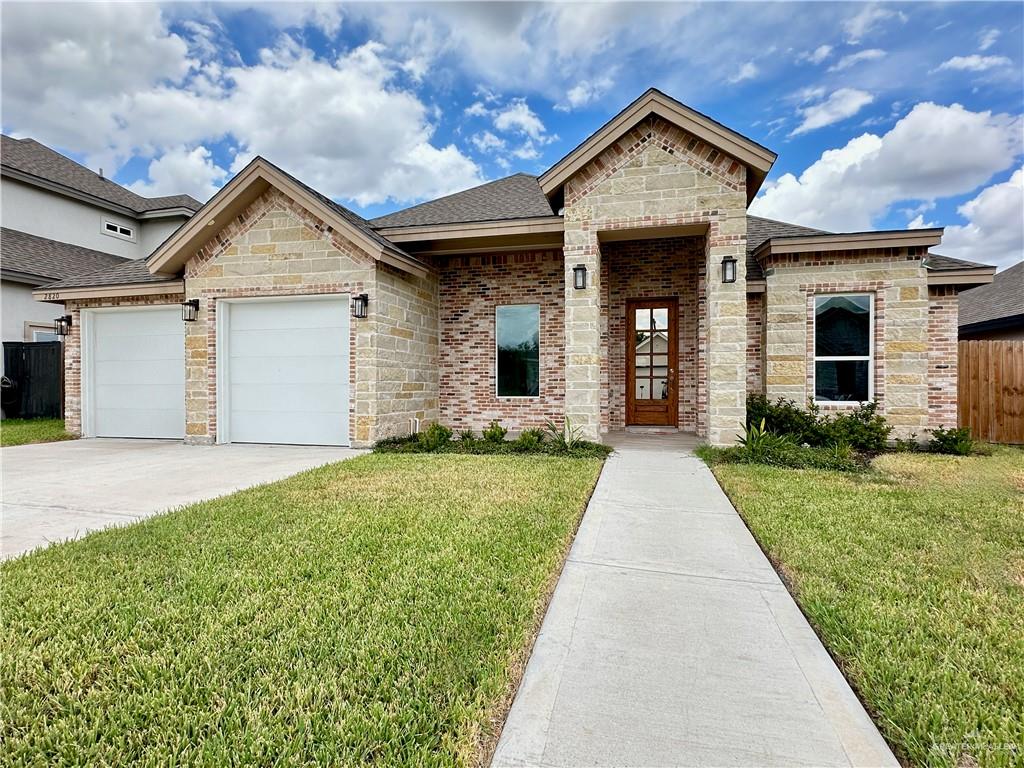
x=24 y=431
x=377 y=611
x=913 y=576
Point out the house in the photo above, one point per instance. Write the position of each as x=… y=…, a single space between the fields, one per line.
x=277 y=315
x=61 y=220
x=995 y=311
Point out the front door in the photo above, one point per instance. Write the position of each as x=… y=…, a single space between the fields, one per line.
x=652 y=356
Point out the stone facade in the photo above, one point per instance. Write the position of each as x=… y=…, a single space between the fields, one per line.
x=657 y=175
x=898 y=282
x=471 y=288
x=647 y=269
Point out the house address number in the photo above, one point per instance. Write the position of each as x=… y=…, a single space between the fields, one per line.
x=51 y=296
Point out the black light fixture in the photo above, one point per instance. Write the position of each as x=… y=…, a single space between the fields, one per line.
x=360 y=305
x=190 y=310
x=729 y=269
x=579 y=277
x=62 y=325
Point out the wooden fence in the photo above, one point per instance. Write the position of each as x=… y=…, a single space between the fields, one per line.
x=991 y=390
x=33 y=380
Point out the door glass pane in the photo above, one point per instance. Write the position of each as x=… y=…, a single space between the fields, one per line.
x=841 y=380
x=660 y=362
x=659 y=389
x=643 y=389
x=643 y=366
x=661 y=318
x=643 y=342
x=643 y=319
x=842 y=325
x=517 y=329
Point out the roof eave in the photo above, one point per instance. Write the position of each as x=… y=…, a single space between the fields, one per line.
x=418 y=232
x=851 y=241
x=962 y=277
x=51 y=294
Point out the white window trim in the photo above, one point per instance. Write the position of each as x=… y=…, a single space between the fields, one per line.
x=539 y=356
x=110 y=222
x=870 y=357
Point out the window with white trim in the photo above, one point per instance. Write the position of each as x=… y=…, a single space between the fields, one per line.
x=114 y=229
x=844 y=347
x=517 y=345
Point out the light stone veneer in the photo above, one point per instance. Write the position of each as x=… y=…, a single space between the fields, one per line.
x=277 y=248
x=899 y=284
x=657 y=175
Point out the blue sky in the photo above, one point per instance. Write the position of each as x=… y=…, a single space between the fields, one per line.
x=883 y=115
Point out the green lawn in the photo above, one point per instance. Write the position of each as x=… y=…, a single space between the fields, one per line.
x=23 y=431
x=913 y=575
x=374 y=611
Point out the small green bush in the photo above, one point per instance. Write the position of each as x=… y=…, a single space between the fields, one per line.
x=785 y=453
x=907 y=445
x=785 y=417
x=529 y=440
x=956 y=441
x=435 y=437
x=862 y=428
x=565 y=437
x=467 y=436
x=495 y=433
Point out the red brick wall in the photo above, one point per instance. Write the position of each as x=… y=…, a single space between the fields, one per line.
x=755 y=343
x=943 y=308
x=470 y=289
x=638 y=269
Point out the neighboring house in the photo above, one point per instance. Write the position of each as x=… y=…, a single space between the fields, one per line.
x=520 y=300
x=61 y=220
x=995 y=311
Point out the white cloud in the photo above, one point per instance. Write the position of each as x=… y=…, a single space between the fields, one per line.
x=487 y=142
x=868 y=54
x=987 y=38
x=526 y=152
x=182 y=171
x=476 y=109
x=933 y=152
x=865 y=21
x=816 y=56
x=518 y=117
x=840 y=105
x=747 y=71
x=585 y=92
x=994 y=233
x=975 y=63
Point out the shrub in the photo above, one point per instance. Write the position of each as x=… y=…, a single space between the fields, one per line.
x=435 y=437
x=565 y=438
x=495 y=433
x=529 y=440
x=907 y=445
x=863 y=429
x=785 y=417
x=956 y=441
x=467 y=436
x=759 y=445
x=785 y=453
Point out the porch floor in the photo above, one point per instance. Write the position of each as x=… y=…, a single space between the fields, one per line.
x=670 y=639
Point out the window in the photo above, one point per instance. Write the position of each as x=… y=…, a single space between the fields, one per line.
x=114 y=229
x=517 y=337
x=41 y=332
x=843 y=347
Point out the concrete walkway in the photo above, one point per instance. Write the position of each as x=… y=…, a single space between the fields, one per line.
x=670 y=639
x=57 y=491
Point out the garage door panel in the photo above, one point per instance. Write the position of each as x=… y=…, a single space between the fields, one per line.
x=290 y=370
x=301 y=342
x=137 y=373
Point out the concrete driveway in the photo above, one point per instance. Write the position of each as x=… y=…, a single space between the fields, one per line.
x=57 y=491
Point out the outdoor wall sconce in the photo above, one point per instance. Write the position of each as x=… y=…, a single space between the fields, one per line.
x=579 y=277
x=190 y=310
x=728 y=270
x=62 y=325
x=360 y=305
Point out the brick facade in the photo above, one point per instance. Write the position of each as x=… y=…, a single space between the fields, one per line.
x=943 y=306
x=657 y=268
x=471 y=287
x=657 y=175
x=755 y=343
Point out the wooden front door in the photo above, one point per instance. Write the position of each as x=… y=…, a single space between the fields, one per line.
x=652 y=358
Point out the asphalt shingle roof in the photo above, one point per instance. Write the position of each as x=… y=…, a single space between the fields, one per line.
x=514 y=197
x=1003 y=297
x=130 y=272
x=50 y=259
x=31 y=157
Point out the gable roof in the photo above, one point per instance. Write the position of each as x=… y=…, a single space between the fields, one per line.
x=247 y=185
x=130 y=272
x=757 y=159
x=1002 y=299
x=40 y=260
x=514 y=197
x=38 y=162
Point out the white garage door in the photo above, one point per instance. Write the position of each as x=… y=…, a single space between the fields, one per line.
x=137 y=373
x=287 y=371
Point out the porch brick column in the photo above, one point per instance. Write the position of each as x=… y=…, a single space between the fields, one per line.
x=583 y=330
x=727 y=332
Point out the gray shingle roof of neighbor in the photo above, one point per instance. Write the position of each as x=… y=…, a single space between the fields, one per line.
x=1002 y=298
x=33 y=158
x=514 y=197
x=131 y=272
x=50 y=259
